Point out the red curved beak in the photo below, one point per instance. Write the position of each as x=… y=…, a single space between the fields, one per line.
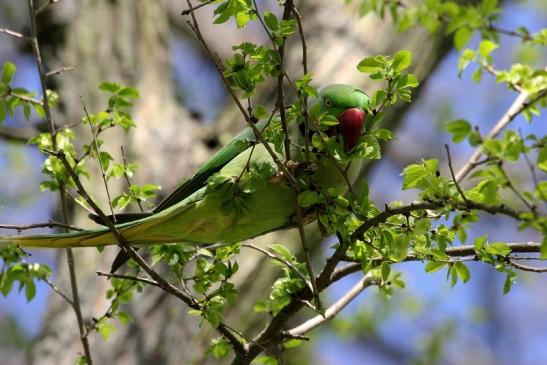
x=351 y=124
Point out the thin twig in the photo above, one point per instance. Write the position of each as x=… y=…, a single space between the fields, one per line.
x=59 y=70
x=103 y=174
x=14 y=33
x=128 y=180
x=24 y=97
x=452 y=174
x=49 y=224
x=367 y=281
x=275 y=257
x=522 y=267
x=128 y=277
x=58 y=291
x=298 y=18
x=192 y=9
x=511 y=33
x=511 y=187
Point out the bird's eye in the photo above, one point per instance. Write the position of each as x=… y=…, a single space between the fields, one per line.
x=328 y=102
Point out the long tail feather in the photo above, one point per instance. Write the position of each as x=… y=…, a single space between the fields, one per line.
x=99 y=237
x=148 y=230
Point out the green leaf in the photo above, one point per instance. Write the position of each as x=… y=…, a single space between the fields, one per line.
x=413 y=174
x=386 y=270
x=433 y=266
x=400 y=247
x=109 y=86
x=308 y=198
x=462 y=37
x=480 y=242
x=266 y=360
x=30 y=290
x=498 y=248
x=509 y=281
x=408 y=80
x=124 y=317
x=462 y=271
x=242 y=18
x=486 y=47
x=370 y=64
x=220 y=348
x=8 y=70
x=467 y=56
x=129 y=92
x=401 y=60
x=105 y=329
x=282 y=251
x=477 y=75
x=292 y=343
x=271 y=20
x=3 y=109
x=459 y=129
x=543 y=249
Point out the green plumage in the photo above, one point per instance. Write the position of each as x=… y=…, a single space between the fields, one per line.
x=240 y=193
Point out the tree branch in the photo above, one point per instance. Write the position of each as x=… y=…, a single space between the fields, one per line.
x=453 y=252
x=518 y=106
x=333 y=310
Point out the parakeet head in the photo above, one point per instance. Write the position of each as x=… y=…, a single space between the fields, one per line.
x=347 y=104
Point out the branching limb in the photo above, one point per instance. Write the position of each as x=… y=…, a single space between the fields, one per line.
x=367 y=281
x=519 y=266
x=457 y=252
x=518 y=106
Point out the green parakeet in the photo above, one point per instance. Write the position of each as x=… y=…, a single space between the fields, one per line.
x=240 y=193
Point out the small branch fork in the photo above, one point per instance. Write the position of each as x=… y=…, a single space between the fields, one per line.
x=519 y=105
